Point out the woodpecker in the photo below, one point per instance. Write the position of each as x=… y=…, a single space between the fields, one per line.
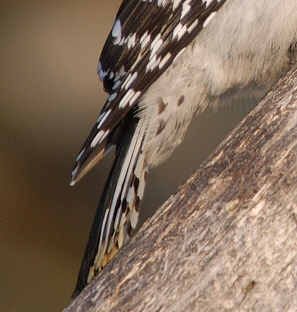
x=163 y=62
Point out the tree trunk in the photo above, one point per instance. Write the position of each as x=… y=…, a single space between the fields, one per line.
x=227 y=240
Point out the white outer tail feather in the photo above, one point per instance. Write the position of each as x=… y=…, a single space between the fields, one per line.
x=119 y=204
x=124 y=187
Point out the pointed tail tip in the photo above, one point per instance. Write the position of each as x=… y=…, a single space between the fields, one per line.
x=73 y=179
x=74 y=175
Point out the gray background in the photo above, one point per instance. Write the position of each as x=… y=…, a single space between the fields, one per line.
x=50 y=98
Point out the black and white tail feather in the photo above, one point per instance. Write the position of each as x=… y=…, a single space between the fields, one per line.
x=163 y=61
x=146 y=37
x=117 y=215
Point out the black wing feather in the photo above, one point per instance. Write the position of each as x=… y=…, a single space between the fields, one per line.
x=137 y=18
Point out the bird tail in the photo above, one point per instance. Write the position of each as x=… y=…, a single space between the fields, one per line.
x=117 y=215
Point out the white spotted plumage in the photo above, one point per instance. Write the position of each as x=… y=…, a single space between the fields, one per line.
x=163 y=61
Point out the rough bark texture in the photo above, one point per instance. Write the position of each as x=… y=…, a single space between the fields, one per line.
x=227 y=240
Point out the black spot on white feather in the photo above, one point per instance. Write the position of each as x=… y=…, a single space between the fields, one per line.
x=180 y=100
x=124 y=206
x=161 y=127
x=130 y=231
x=136 y=184
x=178 y=126
x=137 y=203
x=161 y=106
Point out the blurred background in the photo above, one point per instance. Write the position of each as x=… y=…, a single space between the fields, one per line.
x=50 y=99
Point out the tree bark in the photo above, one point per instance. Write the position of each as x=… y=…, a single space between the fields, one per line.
x=227 y=240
